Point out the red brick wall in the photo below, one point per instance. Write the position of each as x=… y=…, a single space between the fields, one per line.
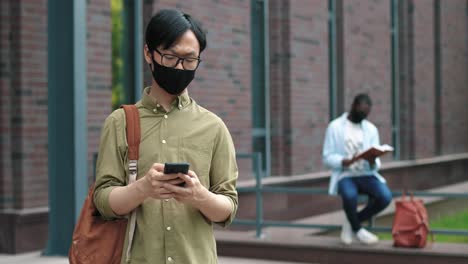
x=32 y=82
x=223 y=82
x=99 y=50
x=299 y=75
x=454 y=41
x=280 y=83
x=368 y=59
x=298 y=84
x=299 y=79
x=23 y=82
x=424 y=79
x=24 y=104
x=309 y=83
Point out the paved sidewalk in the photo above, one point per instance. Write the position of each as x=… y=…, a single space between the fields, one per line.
x=35 y=258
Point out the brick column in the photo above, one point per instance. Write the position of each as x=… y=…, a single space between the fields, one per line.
x=23 y=79
x=368 y=60
x=424 y=79
x=23 y=116
x=6 y=181
x=280 y=85
x=99 y=51
x=406 y=78
x=309 y=83
x=454 y=77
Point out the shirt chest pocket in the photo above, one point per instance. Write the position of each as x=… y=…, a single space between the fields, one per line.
x=199 y=156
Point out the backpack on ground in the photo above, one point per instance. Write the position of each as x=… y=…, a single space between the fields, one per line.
x=411 y=223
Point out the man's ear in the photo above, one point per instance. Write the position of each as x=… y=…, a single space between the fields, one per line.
x=147 y=54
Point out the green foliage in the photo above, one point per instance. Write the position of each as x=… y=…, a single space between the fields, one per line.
x=118 y=94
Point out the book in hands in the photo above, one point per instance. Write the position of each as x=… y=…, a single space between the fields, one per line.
x=374 y=152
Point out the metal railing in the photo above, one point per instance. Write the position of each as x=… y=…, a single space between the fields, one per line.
x=259 y=222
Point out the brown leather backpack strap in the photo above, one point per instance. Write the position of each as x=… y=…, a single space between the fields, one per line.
x=133 y=130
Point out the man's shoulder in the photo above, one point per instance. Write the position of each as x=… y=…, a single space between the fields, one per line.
x=214 y=121
x=118 y=115
x=370 y=126
x=206 y=114
x=336 y=123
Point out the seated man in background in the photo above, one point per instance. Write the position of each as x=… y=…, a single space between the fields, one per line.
x=347 y=136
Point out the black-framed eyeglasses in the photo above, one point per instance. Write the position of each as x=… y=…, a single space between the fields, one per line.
x=171 y=61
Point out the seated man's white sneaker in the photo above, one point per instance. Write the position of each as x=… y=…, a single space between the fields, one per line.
x=346 y=233
x=366 y=237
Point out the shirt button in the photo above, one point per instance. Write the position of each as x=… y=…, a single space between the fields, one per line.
x=180 y=106
x=169 y=259
x=157 y=105
x=168 y=228
x=165 y=116
x=163 y=141
x=155 y=110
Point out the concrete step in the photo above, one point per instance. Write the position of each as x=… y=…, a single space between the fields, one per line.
x=311 y=246
x=329 y=250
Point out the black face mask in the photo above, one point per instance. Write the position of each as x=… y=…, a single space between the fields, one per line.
x=172 y=80
x=357 y=116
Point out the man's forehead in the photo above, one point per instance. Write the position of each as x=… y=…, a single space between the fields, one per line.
x=363 y=105
x=183 y=50
x=187 y=44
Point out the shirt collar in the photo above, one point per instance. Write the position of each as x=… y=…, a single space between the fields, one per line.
x=182 y=101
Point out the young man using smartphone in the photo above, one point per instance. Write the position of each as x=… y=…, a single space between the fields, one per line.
x=173 y=223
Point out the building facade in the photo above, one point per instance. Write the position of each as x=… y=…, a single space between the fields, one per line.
x=276 y=72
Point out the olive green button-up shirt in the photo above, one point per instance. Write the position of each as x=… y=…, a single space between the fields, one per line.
x=168 y=231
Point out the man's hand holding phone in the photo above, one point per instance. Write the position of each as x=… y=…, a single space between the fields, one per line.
x=152 y=183
x=190 y=190
x=176 y=168
x=164 y=181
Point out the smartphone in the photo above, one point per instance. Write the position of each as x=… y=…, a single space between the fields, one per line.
x=179 y=167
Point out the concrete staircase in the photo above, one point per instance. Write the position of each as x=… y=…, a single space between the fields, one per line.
x=329 y=250
x=312 y=246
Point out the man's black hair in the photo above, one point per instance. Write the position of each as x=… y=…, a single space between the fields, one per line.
x=362 y=98
x=168 y=25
